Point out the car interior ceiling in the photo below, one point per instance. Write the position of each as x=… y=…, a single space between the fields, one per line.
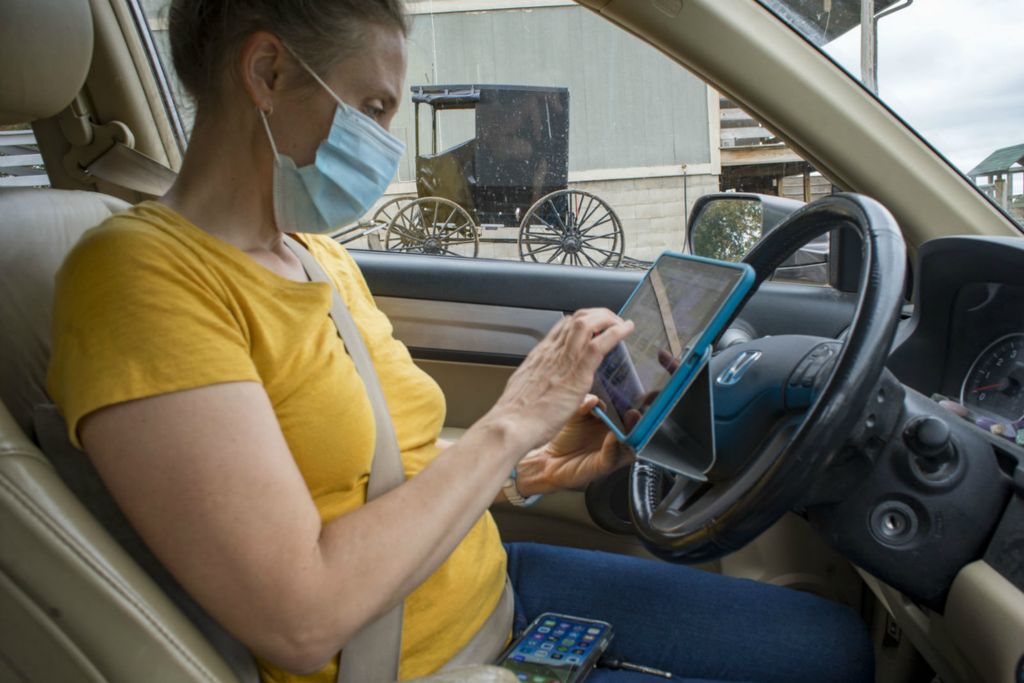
x=55 y=551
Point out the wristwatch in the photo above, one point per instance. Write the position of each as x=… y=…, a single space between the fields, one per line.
x=511 y=491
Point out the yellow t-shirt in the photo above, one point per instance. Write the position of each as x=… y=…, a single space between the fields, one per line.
x=148 y=304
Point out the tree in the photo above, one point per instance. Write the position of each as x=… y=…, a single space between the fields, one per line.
x=727 y=229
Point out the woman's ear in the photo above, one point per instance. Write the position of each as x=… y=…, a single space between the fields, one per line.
x=262 y=60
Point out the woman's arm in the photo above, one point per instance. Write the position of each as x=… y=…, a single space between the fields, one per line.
x=207 y=479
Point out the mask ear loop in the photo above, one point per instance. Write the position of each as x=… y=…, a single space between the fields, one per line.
x=270 y=136
x=316 y=77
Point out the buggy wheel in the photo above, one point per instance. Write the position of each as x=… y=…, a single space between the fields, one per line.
x=433 y=225
x=383 y=216
x=572 y=227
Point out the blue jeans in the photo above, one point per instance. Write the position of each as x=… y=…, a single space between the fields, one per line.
x=697 y=625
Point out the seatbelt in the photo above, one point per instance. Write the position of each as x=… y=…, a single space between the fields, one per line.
x=374 y=652
x=129 y=168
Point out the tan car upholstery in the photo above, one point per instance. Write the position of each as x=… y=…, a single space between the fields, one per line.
x=36 y=80
x=73 y=604
x=38 y=229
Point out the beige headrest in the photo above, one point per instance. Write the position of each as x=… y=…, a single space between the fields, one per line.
x=45 y=50
x=37 y=229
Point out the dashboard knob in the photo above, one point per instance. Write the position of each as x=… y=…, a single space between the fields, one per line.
x=934 y=455
x=930 y=437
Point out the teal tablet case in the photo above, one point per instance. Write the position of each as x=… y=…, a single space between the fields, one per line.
x=691 y=428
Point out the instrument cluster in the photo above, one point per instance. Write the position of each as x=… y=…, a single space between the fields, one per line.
x=986 y=361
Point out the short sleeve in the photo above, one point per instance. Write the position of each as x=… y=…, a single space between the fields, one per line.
x=136 y=315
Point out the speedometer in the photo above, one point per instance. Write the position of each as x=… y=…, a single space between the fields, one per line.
x=994 y=382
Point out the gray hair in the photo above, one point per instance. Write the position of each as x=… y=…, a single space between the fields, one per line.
x=206 y=35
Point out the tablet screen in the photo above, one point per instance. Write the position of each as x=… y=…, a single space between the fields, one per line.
x=672 y=308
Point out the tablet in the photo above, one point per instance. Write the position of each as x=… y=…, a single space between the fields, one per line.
x=679 y=309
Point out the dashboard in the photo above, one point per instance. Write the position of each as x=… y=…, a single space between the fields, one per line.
x=965 y=338
x=985 y=369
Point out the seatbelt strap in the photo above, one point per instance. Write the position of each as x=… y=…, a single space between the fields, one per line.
x=131 y=169
x=374 y=653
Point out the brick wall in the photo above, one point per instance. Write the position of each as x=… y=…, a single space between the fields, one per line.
x=651 y=211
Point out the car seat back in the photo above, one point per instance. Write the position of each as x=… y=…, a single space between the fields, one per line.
x=73 y=604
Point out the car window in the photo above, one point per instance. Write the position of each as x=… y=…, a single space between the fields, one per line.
x=20 y=162
x=531 y=135
x=949 y=68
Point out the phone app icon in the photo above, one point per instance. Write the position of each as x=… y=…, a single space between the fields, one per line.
x=557 y=655
x=588 y=638
x=550 y=622
x=568 y=641
x=519 y=658
x=559 y=632
x=537 y=636
x=579 y=651
x=543 y=629
x=563 y=648
x=564 y=626
x=547 y=646
x=593 y=631
x=541 y=654
x=552 y=639
x=573 y=659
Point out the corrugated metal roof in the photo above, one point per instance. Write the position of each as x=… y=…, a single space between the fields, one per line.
x=999 y=160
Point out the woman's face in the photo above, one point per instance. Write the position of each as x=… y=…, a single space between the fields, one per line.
x=370 y=81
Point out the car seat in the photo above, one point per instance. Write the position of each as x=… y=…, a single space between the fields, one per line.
x=74 y=604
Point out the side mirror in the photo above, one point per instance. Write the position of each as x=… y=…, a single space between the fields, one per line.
x=727 y=225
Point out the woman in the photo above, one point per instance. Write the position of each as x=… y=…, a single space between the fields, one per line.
x=197 y=366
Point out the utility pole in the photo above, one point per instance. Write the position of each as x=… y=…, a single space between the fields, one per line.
x=868 y=46
x=869 y=39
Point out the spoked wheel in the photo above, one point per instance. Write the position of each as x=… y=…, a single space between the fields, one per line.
x=572 y=227
x=389 y=209
x=433 y=225
x=382 y=219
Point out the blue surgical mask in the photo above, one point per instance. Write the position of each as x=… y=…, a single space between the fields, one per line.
x=353 y=168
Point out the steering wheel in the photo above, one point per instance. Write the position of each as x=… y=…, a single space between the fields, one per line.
x=783 y=423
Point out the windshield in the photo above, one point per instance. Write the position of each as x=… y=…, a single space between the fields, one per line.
x=951 y=69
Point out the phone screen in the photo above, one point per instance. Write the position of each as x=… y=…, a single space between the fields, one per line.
x=673 y=306
x=557 y=649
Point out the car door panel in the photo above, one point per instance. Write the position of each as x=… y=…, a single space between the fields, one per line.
x=469 y=322
x=467 y=332
x=508 y=289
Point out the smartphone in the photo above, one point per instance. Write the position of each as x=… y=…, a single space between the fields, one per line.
x=557 y=648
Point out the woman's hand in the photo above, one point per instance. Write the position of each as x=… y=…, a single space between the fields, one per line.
x=583 y=451
x=548 y=388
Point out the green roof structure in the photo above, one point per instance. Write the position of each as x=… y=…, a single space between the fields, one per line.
x=999 y=161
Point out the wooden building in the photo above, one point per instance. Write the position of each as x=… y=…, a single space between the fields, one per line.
x=996 y=175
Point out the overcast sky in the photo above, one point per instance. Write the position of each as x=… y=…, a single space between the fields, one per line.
x=954 y=70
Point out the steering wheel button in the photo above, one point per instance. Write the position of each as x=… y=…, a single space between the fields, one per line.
x=797 y=377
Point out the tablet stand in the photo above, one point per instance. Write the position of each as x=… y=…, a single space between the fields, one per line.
x=685 y=441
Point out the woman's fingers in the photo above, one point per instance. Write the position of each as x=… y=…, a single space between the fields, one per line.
x=551 y=384
x=620 y=455
x=588 y=404
x=586 y=323
x=602 y=344
x=668 y=361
